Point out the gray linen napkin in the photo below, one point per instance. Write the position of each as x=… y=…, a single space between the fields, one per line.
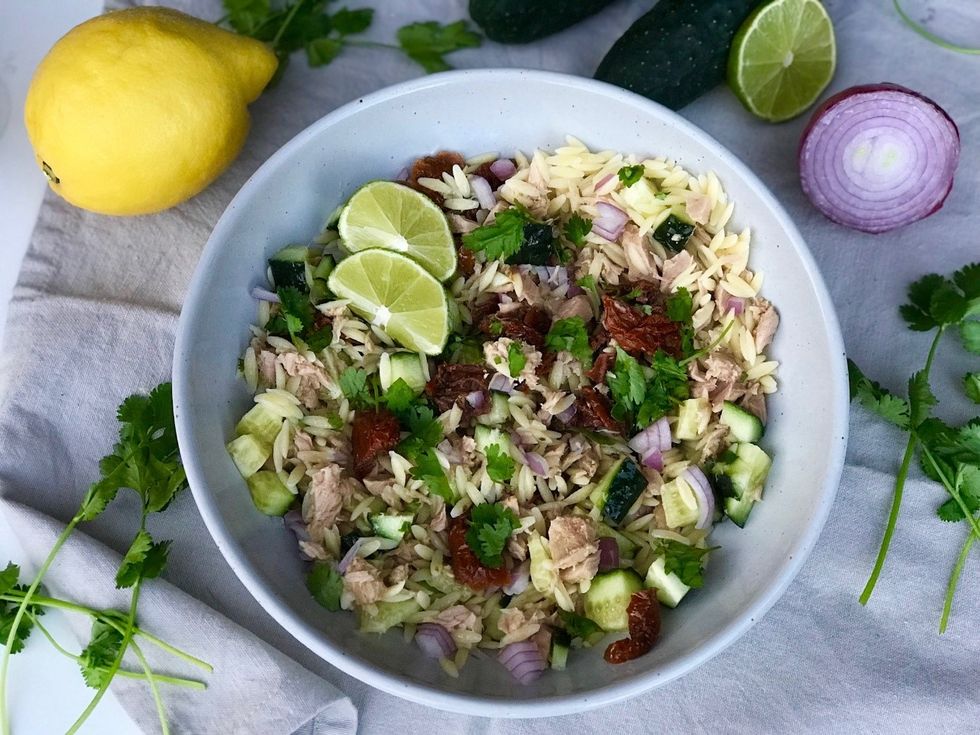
x=253 y=689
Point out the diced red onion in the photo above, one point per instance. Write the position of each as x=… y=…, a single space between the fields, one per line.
x=608 y=554
x=402 y=175
x=264 y=294
x=706 y=497
x=523 y=660
x=736 y=305
x=293 y=520
x=503 y=168
x=520 y=577
x=654 y=459
x=477 y=399
x=568 y=414
x=434 y=640
x=878 y=156
x=484 y=194
x=574 y=290
x=351 y=553
x=536 y=463
x=501 y=383
x=656 y=437
x=610 y=222
x=603 y=181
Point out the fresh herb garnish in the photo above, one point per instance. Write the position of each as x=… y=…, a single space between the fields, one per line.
x=490 y=527
x=687 y=562
x=425 y=432
x=570 y=335
x=500 y=465
x=971 y=386
x=353 y=383
x=577 y=228
x=948 y=455
x=325 y=584
x=428 y=43
x=629 y=175
x=399 y=396
x=579 y=626
x=588 y=283
x=640 y=400
x=516 y=360
x=680 y=305
x=500 y=240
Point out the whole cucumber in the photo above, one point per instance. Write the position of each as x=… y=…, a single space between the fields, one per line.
x=677 y=51
x=523 y=21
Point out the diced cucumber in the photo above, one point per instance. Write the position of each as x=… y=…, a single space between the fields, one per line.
x=319 y=291
x=674 y=232
x=288 y=267
x=642 y=196
x=740 y=477
x=261 y=423
x=626 y=547
x=692 y=419
x=618 y=489
x=543 y=573
x=738 y=509
x=670 y=588
x=744 y=426
x=388 y=615
x=499 y=409
x=679 y=502
x=560 y=644
x=404 y=365
x=324 y=268
x=391 y=526
x=486 y=436
x=269 y=493
x=609 y=596
x=249 y=453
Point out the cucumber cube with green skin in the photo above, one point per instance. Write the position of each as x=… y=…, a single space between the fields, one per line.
x=499 y=410
x=288 y=267
x=249 y=453
x=560 y=644
x=404 y=365
x=742 y=425
x=670 y=589
x=692 y=419
x=679 y=502
x=486 y=437
x=741 y=477
x=388 y=615
x=261 y=423
x=673 y=233
x=618 y=490
x=269 y=493
x=391 y=527
x=642 y=196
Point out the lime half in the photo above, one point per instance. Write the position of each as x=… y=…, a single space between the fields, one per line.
x=782 y=58
x=386 y=215
x=397 y=294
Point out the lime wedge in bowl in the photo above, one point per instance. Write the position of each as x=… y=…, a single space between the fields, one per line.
x=391 y=216
x=782 y=58
x=397 y=294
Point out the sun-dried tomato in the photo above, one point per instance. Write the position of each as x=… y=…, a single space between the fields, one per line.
x=639 y=292
x=374 y=432
x=529 y=324
x=465 y=259
x=602 y=365
x=483 y=309
x=547 y=362
x=467 y=568
x=320 y=320
x=592 y=412
x=644 y=626
x=433 y=167
x=599 y=339
x=638 y=333
x=453 y=383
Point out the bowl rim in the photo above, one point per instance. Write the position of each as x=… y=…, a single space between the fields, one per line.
x=470 y=704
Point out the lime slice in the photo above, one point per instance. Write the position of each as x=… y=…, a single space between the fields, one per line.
x=386 y=215
x=396 y=294
x=782 y=58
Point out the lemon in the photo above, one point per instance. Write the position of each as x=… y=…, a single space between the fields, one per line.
x=139 y=109
x=397 y=294
x=384 y=214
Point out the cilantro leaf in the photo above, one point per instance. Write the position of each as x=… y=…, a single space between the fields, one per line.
x=664 y=390
x=578 y=626
x=325 y=584
x=490 y=527
x=576 y=229
x=872 y=396
x=296 y=308
x=971 y=386
x=424 y=429
x=687 y=562
x=516 y=360
x=500 y=465
x=588 y=283
x=680 y=305
x=399 y=396
x=429 y=470
x=8 y=611
x=627 y=385
x=143 y=560
x=500 y=240
x=921 y=398
x=321 y=51
x=948 y=305
x=428 y=43
x=918 y=312
x=968 y=279
x=967 y=484
x=246 y=16
x=347 y=22
x=353 y=383
x=570 y=335
x=98 y=656
x=970 y=335
x=9 y=577
x=629 y=175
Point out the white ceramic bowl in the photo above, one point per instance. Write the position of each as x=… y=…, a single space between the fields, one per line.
x=288 y=199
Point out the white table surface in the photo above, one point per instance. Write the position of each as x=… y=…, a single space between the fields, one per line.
x=46 y=692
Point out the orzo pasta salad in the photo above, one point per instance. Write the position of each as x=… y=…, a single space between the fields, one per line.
x=501 y=402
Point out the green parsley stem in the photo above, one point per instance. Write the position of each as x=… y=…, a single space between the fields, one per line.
x=370 y=44
x=285 y=24
x=706 y=350
x=952 y=489
x=151 y=679
x=19 y=615
x=954 y=579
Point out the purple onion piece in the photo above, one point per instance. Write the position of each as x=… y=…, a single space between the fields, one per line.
x=501 y=383
x=263 y=294
x=608 y=554
x=568 y=414
x=434 y=640
x=520 y=577
x=654 y=460
x=524 y=660
x=603 y=181
x=536 y=463
x=293 y=520
x=503 y=168
x=484 y=194
x=611 y=221
x=477 y=399
x=702 y=490
x=736 y=305
x=351 y=553
x=574 y=290
x=402 y=175
x=655 y=437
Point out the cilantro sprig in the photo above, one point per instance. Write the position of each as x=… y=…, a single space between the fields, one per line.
x=500 y=465
x=577 y=228
x=947 y=455
x=295 y=320
x=641 y=396
x=687 y=562
x=516 y=359
x=629 y=175
x=501 y=239
x=145 y=460
x=570 y=335
x=490 y=527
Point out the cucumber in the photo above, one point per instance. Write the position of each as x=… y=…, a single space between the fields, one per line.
x=642 y=196
x=680 y=503
x=692 y=419
x=499 y=409
x=609 y=597
x=740 y=477
x=319 y=291
x=618 y=490
x=520 y=21
x=677 y=51
x=670 y=588
x=404 y=365
x=738 y=509
x=674 y=232
x=744 y=426
x=388 y=615
x=560 y=644
x=249 y=453
x=391 y=526
x=486 y=436
x=261 y=423
x=269 y=493
x=288 y=267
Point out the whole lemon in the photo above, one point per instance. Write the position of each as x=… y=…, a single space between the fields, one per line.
x=137 y=110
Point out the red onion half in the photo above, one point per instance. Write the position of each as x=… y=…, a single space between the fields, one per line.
x=434 y=640
x=656 y=437
x=503 y=168
x=608 y=554
x=610 y=222
x=523 y=660
x=878 y=156
x=706 y=497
